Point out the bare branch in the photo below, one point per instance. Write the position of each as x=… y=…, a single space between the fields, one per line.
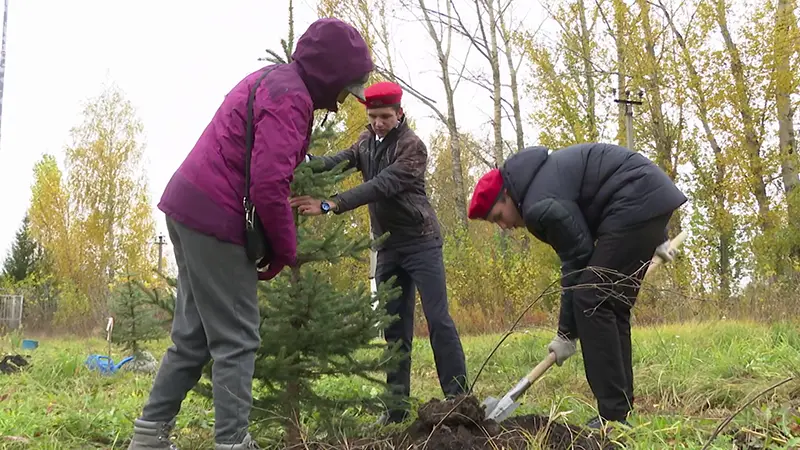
x=480 y=23
x=427 y=100
x=463 y=69
x=449 y=33
x=476 y=80
x=741 y=408
x=605 y=20
x=462 y=30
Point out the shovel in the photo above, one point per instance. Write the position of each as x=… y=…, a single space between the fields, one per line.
x=499 y=410
x=673 y=246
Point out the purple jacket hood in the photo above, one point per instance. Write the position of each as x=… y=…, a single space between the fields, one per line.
x=330 y=55
x=205 y=193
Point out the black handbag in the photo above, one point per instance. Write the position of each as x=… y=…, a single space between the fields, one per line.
x=257 y=246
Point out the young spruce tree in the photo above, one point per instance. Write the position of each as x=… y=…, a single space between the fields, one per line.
x=135 y=319
x=311 y=330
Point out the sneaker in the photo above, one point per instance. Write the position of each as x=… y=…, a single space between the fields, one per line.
x=248 y=443
x=151 y=435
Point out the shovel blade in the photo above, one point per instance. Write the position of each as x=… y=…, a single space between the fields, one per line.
x=499 y=410
x=490 y=404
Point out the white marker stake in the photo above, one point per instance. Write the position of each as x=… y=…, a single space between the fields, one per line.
x=109 y=328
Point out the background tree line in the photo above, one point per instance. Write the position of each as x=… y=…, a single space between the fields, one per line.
x=719 y=83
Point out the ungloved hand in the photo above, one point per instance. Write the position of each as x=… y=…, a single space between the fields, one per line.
x=271 y=271
x=663 y=252
x=563 y=348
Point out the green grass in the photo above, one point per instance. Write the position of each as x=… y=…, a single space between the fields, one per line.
x=688 y=378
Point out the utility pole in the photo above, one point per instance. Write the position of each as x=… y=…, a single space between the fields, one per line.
x=161 y=242
x=3 y=56
x=629 y=113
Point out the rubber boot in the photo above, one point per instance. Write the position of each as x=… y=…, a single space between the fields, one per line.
x=247 y=444
x=151 y=435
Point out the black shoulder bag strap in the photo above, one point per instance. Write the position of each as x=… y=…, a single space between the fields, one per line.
x=256 y=244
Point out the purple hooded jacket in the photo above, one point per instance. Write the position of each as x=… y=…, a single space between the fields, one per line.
x=205 y=193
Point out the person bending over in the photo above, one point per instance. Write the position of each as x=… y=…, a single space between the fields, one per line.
x=600 y=206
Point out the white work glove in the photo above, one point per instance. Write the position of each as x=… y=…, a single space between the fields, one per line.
x=663 y=252
x=562 y=347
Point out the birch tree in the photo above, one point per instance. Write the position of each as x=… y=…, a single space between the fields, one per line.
x=568 y=73
x=95 y=219
x=714 y=193
x=785 y=69
x=484 y=39
x=442 y=38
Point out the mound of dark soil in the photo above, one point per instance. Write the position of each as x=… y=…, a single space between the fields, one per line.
x=465 y=428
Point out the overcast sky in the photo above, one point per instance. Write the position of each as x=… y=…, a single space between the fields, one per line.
x=175 y=60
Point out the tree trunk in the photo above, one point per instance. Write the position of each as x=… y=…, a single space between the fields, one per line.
x=620 y=22
x=293 y=437
x=512 y=71
x=752 y=141
x=785 y=81
x=725 y=238
x=454 y=144
x=383 y=34
x=664 y=140
x=497 y=94
x=586 y=54
x=291 y=412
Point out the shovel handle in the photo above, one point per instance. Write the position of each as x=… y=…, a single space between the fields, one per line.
x=541 y=368
x=532 y=376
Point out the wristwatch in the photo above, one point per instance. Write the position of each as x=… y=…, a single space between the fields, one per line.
x=325 y=207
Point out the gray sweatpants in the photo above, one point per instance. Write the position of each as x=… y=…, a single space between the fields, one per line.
x=216 y=316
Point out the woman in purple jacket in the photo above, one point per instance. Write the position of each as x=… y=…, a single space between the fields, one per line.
x=216 y=309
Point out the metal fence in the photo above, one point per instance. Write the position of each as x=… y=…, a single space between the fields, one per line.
x=10 y=312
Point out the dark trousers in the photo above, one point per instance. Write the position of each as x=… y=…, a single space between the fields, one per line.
x=423 y=270
x=603 y=312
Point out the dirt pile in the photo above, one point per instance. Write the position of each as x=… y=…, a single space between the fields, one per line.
x=465 y=428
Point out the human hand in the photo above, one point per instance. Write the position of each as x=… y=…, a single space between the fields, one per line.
x=663 y=251
x=309 y=206
x=563 y=348
x=270 y=272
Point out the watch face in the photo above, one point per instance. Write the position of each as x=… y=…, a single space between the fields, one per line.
x=325 y=206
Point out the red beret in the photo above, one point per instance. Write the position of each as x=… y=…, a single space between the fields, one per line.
x=384 y=93
x=485 y=195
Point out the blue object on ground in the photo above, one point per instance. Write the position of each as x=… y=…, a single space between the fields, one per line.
x=29 y=344
x=105 y=364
